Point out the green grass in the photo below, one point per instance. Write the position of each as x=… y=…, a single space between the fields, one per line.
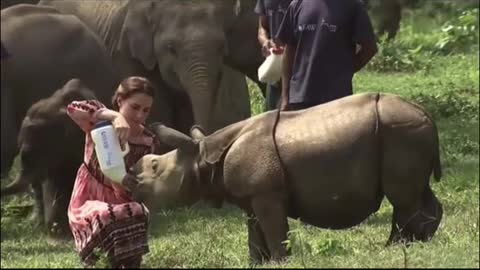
x=198 y=238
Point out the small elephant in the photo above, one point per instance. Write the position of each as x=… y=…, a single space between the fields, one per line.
x=330 y=166
x=46 y=49
x=51 y=148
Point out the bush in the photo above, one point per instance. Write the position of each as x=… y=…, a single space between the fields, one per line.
x=460 y=33
x=396 y=55
x=412 y=50
x=449 y=104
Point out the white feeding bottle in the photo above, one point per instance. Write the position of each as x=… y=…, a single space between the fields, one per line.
x=108 y=151
x=271 y=69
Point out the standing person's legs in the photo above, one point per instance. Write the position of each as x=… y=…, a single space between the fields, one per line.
x=273 y=95
x=299 y=106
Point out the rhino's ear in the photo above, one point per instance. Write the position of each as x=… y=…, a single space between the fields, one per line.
x=173 y=137
x=197 y=132
x=215 y=146
x=237 y=8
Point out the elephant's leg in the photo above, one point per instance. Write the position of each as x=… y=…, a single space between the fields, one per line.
x=38 y=215
x=390 y=18
x=256 y=241
x=58 y=190
x=56 y=200
x=271 y=212
x=9 y=131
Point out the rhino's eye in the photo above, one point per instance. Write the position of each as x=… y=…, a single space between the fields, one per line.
x=171 y=48
x=154 y=165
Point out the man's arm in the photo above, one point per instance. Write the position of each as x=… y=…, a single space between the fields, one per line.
x=364 y=55
x=264 y=37
x=287 y=66
x=364 y=36
x=263 y=29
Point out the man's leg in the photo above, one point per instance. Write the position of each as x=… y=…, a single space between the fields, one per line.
x=273 y=96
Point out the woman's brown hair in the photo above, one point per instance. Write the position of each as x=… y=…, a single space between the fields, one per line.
x=132 y=85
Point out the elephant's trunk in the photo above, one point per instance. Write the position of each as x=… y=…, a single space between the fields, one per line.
x=20 y=184
x=202 y=79
x=202 y=96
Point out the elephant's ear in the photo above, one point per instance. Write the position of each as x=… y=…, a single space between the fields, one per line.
x=214 y=146
x=74 y=89
x=137 y=33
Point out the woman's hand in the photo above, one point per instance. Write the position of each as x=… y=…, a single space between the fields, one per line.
x=122 y=128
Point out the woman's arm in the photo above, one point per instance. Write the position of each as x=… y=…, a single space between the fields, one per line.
x=87 y=113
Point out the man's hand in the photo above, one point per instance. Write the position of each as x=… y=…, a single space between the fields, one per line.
x=366 y=52
x=270 y=45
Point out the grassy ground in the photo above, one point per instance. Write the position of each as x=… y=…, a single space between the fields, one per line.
x=198 y=238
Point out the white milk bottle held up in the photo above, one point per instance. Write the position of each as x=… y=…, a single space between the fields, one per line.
x=108 y=151
x=270 y=71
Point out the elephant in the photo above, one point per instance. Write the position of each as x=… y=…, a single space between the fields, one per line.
x=50 y=148
x=389 y=15
x=230 y=106
x=46 y=50
x=8 y=3
x=182 y=46
x=50 y=154
x=329 y=166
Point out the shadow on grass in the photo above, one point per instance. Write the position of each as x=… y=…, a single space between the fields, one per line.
x=21 y=229
x=379 y=219
x=46 y=248
x=186 y=219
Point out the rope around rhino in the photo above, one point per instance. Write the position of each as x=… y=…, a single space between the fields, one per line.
x=277 y=152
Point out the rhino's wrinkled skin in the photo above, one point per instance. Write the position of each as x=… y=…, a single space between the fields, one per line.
x=341 y=159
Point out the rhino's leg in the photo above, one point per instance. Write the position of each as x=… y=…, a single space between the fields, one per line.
x=419 y=222
x=256 y=241
x=271 y=212
x=432 y=213
x=406 y=169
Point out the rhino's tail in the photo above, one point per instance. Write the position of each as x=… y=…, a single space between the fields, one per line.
x=436 y=163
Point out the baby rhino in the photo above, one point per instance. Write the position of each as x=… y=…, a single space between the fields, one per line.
x=330 y=166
